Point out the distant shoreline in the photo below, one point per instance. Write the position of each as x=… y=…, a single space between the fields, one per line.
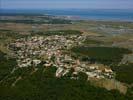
x=81 y=14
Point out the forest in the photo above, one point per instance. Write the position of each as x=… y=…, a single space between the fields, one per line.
x=104 y=55
x=43 y=85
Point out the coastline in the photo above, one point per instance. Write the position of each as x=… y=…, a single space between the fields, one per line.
x=122 y=15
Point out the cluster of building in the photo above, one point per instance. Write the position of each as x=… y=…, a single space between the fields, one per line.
x=53 y=50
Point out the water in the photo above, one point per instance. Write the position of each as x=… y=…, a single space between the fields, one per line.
x=90 y=14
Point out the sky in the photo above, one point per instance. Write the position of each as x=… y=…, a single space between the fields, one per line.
x=60 y=4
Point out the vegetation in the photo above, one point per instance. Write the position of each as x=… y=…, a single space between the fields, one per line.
x=40 y=83
x=90 y=41
x=44 y=21
x=5 y=34
x=109 y=56
x=58 y=32
x=43 y=85
x=124 y=73
x=104 y=55
x=6 y=65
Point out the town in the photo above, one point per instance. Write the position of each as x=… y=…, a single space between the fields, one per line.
x=53 y=51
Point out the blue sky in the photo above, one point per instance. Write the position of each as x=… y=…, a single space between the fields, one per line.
x=51 y=4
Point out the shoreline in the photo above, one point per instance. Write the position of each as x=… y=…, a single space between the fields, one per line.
x=120 y=15
x=69 y=17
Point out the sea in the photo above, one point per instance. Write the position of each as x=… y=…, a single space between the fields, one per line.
x=82 y=14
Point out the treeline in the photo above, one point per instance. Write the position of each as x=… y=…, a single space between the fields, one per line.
x=44 y=21
x=8 y=34
x=5 y=34
x=58 y=32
